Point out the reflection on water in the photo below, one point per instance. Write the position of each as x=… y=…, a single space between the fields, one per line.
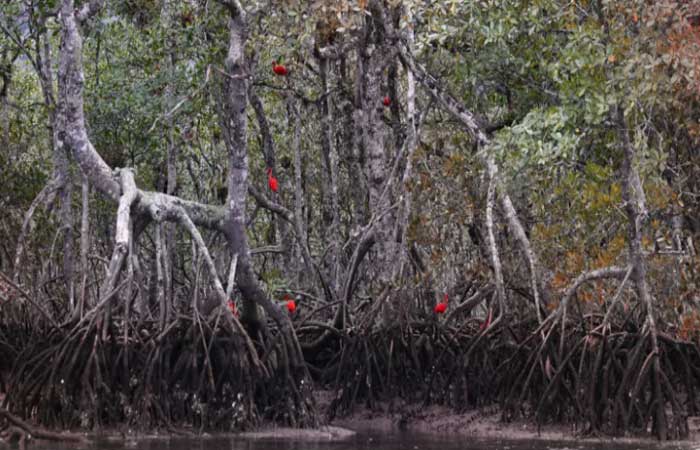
x=364 y=441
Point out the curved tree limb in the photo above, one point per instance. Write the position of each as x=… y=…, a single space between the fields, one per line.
x=44 y=196
x=99 y=174
x=122 y=235
x=123 y=230
x=270 y=205
x=597 y=274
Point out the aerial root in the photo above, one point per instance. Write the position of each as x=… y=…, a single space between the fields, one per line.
x=21 y=430
x=612 y=379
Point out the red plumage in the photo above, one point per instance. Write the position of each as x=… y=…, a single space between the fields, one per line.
x=440 y=308
x=272 y=182
x=232 y=307
x=291 y=306
x=386 y=101
x=279 y=69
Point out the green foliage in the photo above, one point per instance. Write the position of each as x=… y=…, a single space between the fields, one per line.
x=547 y=72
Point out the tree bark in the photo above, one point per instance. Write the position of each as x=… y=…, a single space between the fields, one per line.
x=330 y=204
x=99 y=174
x=234 y=123
x=299 y=199
x=635 y=207
x=172 y=152
x=233 y=119
x=84 y=244
x=376 y=55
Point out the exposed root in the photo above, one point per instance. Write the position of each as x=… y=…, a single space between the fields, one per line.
x=196 y=373
x=22 y=430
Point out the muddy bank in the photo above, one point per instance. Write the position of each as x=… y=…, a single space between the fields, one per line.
x=440 y=420
x=483 y=423
x=323 y=433
x=390 y=419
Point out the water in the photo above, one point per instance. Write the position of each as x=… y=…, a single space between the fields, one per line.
x=364 y=441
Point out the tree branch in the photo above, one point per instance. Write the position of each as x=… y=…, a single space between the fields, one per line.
x=270 y=205
x=475 y=128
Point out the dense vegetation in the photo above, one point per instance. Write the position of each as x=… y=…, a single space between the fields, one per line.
x=211 y=209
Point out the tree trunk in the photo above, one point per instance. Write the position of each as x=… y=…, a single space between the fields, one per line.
x=635 y=207
x=330 y=204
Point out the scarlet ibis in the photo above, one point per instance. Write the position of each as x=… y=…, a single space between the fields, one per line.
x=440 y=308
x=291 y=306
x=271 y=180
x=387 y=101
x=279 y=69
x=232 y=307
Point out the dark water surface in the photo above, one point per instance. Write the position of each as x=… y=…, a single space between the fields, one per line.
x=364 y=441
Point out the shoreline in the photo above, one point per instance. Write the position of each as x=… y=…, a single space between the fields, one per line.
x=393 y=419
x=485 y=423
x=364 y=423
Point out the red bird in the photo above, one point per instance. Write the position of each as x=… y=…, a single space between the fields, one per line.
x=291 y=306
x=441 y=307
x=232 y=307
x=271 y=180
x=387 y=101
x=279 y=69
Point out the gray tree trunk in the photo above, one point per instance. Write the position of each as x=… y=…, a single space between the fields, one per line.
x=635 y=207
x=375 y=56
x=330 y=203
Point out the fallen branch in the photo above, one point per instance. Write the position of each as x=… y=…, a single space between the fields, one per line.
x=38 y=433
